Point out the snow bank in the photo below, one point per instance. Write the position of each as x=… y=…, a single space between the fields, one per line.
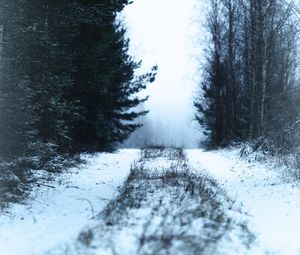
x=272 y=204
x=56 y=213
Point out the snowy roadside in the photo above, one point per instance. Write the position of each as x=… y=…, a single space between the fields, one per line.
x=271 y=202
x=163 y=209
x=207 y=202
x=56 y=213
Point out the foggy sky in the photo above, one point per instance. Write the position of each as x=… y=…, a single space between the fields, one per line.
x=165 y=32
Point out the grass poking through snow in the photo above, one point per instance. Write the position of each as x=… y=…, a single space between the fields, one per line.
x=163 y=208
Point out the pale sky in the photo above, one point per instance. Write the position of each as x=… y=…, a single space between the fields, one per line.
x=165 y=32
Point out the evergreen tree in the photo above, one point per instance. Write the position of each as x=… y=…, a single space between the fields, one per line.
x=105 y=83
x=67 y=83
x=16 y=116
x=211 y=113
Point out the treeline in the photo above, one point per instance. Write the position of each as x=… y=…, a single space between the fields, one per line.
x=67 y=83
x=250 y=88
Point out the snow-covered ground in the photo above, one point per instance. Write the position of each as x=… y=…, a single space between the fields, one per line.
x=163 y=209
x=54 y=215
x=272 y=204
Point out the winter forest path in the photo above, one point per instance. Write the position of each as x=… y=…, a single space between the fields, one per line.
x=272 y=205
x=163 y=208
x=166 y=203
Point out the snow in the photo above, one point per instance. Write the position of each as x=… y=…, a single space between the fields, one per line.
x=156 y=214
x=264 y=197
x=54 y=215
x=159 y=214
x=271 y=203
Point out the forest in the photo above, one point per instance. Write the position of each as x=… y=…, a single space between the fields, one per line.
x=68 y=84
x=251 y=84
x=86 y=168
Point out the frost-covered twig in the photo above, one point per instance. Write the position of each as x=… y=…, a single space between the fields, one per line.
x=46 y=185
x=92 y=208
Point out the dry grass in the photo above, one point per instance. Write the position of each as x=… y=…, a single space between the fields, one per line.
x=186 y=212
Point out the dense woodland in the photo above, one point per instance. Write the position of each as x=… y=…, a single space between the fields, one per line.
x=67 y=82
x=251 y=85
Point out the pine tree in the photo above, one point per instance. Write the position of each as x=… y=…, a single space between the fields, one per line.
x=210 y=108
x=67 y=81
x=105 y=83
x=15 y=93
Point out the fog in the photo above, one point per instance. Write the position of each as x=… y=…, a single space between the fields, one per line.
x=167 y=33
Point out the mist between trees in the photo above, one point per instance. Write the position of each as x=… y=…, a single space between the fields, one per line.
x=67 y=82
x=251 y=85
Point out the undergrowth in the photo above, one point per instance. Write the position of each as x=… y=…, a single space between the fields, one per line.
x=18 y=176
x=287 y=161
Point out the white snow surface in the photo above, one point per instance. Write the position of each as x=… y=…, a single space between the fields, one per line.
x=159 y=217
x=272 y=204
x=55 y=215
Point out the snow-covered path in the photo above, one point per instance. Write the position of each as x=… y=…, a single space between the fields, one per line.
x=273 y=206
x=56 y=215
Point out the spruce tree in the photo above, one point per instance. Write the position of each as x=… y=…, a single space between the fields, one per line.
x=67 y=81
x=105 y=82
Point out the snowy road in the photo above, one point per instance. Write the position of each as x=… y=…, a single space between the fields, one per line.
x=56 y=215
x=273 y=206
